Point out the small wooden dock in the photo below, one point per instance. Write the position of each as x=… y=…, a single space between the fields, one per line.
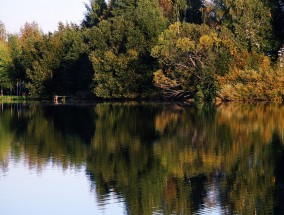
x=60 y=99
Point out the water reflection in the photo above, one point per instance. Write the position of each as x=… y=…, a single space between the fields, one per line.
x=157 y=158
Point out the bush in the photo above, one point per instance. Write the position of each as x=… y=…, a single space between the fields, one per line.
x=247 y=85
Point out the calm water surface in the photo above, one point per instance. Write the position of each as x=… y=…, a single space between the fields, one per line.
x=133 y=158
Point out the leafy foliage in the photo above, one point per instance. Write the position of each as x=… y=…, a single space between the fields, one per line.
x=5 y=64
x=51 y=64
x=121 y=47
x=95 y=12
x=34 y=49
x=252 y=85
x=73 y=73
x=189 y=56
x=248 y=20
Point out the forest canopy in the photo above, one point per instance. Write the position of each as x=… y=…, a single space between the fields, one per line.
x=171 y=49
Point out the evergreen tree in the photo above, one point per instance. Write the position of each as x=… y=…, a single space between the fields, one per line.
x=121 y=48
x=248 y=20
x=95 y=12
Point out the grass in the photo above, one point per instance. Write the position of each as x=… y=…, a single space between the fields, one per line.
x=12 y=98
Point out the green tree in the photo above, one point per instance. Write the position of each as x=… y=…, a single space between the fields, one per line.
x=248 y=20
x=121 y=48
x=5 y=60
x=32 y=41
x=179 y=10
x=96 y=10
x=52 y=63
x=73 y=73
x=5 y=65
x=17 y=71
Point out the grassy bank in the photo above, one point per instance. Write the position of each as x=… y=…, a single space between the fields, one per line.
x=12 y=98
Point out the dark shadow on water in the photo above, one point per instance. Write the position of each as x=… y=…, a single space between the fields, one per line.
x=166 y=158
x=73 y=120
x=279 y=174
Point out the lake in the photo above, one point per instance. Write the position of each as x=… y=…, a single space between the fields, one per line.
x=141 y=158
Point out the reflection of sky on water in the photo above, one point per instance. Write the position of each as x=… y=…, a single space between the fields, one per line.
x=212 y=211
x=116 y=159
x=212 y=204
x=52 y=191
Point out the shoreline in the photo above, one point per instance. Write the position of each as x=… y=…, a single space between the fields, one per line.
x=76 y=100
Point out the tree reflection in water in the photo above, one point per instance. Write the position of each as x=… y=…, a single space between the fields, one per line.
x=163 y=158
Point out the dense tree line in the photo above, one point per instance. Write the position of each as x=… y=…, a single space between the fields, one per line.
x=178 y=49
